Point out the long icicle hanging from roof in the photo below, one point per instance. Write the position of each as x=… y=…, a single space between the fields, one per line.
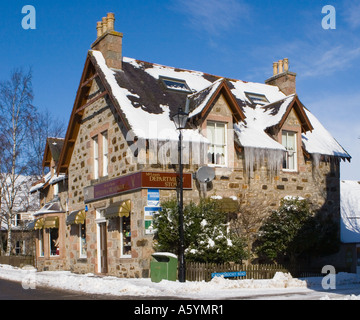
x=271 y=158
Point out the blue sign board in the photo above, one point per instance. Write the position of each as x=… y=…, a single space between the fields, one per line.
x=153 y=197
x=229 y=274
x=150 y=211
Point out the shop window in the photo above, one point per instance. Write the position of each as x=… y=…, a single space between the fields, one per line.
x=216 y=134
x=82 y=239
x=125 y=232
x=41 y=243
x=290 y=159
x=54 y=241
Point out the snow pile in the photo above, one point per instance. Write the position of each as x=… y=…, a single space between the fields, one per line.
x=217 y=288
x=92 y=284
x=280 y=280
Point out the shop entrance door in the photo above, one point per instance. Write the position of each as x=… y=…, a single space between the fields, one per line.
x=103 y=248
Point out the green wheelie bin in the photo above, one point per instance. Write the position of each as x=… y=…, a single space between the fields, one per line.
x=163 y=266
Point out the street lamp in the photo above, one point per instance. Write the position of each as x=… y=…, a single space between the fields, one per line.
x=180 y=120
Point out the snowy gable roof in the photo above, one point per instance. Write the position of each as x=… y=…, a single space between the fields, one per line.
x=320 y=141
x=148 y=107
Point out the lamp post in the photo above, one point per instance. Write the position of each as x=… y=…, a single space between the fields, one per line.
x=180 y=120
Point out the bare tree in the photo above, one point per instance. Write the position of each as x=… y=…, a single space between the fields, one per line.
x=16 y=118
x=249 y=219
x=44 y=125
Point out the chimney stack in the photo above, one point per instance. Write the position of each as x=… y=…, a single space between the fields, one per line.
x=282 y=77
x=109 y=42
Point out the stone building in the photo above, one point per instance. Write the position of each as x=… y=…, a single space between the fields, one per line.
x=120 y=152
x=49 y=224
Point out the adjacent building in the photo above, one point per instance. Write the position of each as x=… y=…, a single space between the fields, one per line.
x=119 y=158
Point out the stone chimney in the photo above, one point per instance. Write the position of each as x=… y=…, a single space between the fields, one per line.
x=282 y=77
x=109 y=42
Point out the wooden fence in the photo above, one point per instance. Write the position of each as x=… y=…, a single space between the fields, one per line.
x=18 y=261
x=202 y=271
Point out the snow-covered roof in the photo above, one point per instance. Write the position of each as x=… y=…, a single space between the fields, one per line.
x=50 y=207
x=350 y=211
x=148 y=108
x=38 y=185
x=57 y=178
x=321 y=141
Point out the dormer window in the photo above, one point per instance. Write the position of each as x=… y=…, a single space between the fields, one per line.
x=256 y=98
x=175 y=84
x=217 y=153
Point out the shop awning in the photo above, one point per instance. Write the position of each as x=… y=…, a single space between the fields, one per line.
x=51 y=222
x=39 y=224
x=118 y=209
x=76 y=217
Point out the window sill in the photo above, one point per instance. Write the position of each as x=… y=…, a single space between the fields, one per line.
x=217 y=165
x=289 y=170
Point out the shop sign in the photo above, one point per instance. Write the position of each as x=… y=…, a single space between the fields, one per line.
x=118 y=185
x=135 y=181
x=149 y=212
x=153 y=197
x=149 y=228
x=165 y=180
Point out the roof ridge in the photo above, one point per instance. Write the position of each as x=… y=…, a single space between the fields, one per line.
x=187 y=70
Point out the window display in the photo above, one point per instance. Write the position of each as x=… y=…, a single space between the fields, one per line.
x=126 y=236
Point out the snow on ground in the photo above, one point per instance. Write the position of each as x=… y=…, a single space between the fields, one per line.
x=217 y=289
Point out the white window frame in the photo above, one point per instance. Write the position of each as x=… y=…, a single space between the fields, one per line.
x=287 y=132
x=225 y=146
x=96 y=157
x=105 y=151
x=100 y=218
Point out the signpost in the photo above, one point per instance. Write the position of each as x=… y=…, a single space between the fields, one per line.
x=229 y=274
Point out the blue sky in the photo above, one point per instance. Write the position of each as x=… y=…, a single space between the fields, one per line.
x=238 y=39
